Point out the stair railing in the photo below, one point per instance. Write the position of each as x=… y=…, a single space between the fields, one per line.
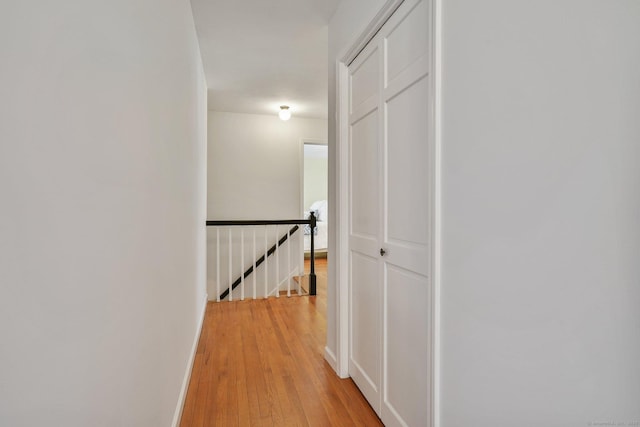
x=263 y=257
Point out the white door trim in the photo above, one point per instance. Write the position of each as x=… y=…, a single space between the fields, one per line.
x=436 y=82
x=303 y=141
x=342 y=196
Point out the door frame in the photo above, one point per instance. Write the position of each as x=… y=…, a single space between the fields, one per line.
x=340 y=361
x=310 y=141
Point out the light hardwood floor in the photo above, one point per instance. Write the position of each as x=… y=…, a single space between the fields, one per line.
x=260 y=363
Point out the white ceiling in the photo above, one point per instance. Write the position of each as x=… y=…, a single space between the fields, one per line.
x=261 y=54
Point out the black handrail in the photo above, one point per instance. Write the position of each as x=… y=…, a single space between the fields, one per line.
x=260 y=222
x=312 y=223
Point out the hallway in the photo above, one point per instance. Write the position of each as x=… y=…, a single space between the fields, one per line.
x=260 y=363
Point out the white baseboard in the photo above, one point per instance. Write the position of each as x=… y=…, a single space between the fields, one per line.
x=331 y=359
x=187 y=375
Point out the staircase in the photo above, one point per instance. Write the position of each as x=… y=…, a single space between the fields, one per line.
x=265 y=257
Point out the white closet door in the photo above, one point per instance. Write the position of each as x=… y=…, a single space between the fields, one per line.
x=364 y=228
x=407 y=218
x=390 y=266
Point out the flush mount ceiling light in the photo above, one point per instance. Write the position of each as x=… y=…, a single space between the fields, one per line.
x=285 y=113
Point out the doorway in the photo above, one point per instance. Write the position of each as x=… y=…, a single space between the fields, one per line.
x=314 y=197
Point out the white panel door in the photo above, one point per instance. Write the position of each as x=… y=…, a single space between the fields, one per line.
x=407 y=218
x=391 y=266
x=365 y=358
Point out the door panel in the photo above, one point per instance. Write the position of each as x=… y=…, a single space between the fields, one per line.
x=364 y=363
x=407 y=357
x=365 y=78
x=408 y=164
x=406 y=41
x=365 y=193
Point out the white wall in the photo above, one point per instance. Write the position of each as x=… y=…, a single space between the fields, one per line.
x=103 y=187
x=254 y=164
x=541 y=213
x=254 y=173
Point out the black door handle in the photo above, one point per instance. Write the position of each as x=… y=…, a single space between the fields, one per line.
x=382 y=252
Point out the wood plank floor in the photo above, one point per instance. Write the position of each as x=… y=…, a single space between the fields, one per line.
x=260 y=363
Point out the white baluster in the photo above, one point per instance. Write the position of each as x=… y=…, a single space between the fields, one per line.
x=277 y=262
x=253 y=256
x=242 y=263
x=266 y=255
x=217 y=263
x=230 y=265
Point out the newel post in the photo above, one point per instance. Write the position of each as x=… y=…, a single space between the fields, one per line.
x=312 y=274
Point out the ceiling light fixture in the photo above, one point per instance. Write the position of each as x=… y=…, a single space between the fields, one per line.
x=285 y=113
